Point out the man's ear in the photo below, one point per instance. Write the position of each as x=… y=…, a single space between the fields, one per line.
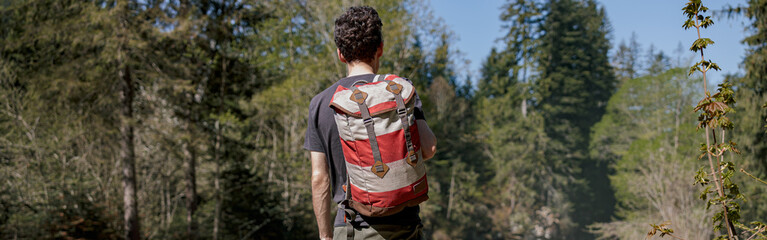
x=379 y=51
x=340 y=56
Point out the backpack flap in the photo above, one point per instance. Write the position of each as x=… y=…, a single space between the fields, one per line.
x=378 y=99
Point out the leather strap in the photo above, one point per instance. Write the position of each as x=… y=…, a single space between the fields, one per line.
x=379 y=168
x=396 y=89
x=351 y=215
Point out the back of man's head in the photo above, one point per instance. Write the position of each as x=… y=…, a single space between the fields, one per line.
x=358 y=34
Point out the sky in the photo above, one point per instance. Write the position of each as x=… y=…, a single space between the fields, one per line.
x=476 y=25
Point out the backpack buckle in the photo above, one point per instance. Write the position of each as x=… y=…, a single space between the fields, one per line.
x=367 y=121
x=394 y=87
x=358 y=96
x=411 y=158
x=379 y=169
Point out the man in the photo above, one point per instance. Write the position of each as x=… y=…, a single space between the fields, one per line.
x=360 y=45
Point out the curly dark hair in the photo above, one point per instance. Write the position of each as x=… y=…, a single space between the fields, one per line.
x=358 y=33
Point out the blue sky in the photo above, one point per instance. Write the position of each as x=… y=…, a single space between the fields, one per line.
x=476 y=25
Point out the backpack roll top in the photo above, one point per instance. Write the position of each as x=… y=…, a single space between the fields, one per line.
x=381 y=146
x=379 y=99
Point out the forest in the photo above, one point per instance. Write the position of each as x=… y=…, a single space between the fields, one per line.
x=165 y=119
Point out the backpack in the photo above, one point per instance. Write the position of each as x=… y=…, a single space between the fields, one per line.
x=382 y=149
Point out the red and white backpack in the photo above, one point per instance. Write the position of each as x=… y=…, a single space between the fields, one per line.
x=381 y=145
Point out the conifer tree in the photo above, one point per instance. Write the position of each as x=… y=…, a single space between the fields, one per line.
x=751 y=111
x=575 y=84
x=513 y=144
x=626 y=59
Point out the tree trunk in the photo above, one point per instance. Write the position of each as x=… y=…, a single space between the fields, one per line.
x=451 y=191
x=128 y=157
x=216 y=182
x=190 y=191
x=524 y=94
x=217 y=151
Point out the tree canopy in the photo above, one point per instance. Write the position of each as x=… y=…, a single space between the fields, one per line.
x=185 y=120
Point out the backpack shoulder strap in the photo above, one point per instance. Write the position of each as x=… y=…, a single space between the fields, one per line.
x=379 y=78
x=379 y=168
x=396 y=89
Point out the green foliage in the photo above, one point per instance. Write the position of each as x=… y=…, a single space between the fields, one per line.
x=750 y=116
x=706 y=64
x=76 y=217
x=513 y=144
x=541 y=148
x=220 y=88
x=552 y=79
x=661 y=229
x=692 y=10
x=626 y=61
x=713 y=116
x=701 y=44
x=645 y=137
x=258 y=218
x=576 y=81
x=714 y=110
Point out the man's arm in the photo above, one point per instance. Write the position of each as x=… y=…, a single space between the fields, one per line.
x=428 y=140
x=321 y=194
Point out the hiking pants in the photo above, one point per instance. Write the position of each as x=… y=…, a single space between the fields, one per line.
x=381 y=232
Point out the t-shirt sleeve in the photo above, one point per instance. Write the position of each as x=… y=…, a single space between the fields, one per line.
x=418 y=112
x=312 y=140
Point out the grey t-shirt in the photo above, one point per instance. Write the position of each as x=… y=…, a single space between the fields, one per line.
x=322 y=136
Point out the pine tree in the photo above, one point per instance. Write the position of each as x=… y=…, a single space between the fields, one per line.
x=750 y=113
x=513 y=144
x=576 y=82
x=626 y=59
x=524 y=19
x=208 y=80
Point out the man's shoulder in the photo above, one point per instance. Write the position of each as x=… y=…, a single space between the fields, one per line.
x=323 y=97
x=395 y=76
x=326 y=95
x=392 y=76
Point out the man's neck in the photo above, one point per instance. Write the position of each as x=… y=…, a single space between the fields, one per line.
x=359 y=68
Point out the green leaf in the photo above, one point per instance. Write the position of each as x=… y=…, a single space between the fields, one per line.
x=713 y=65
x=690 y=9
x=688 y=24
x=701 y=175
x=705 y=23
x=705 y=192
x=701 y=43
